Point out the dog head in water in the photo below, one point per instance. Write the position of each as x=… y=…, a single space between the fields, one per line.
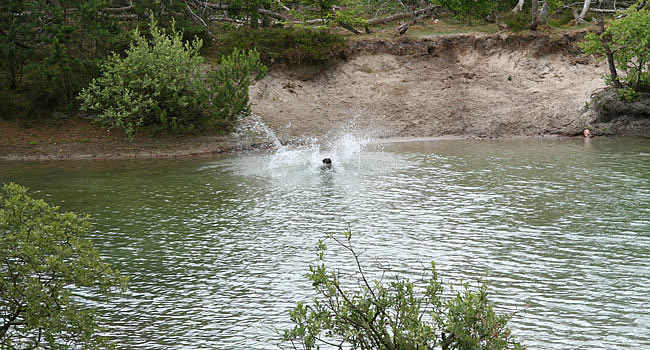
x=327 y=164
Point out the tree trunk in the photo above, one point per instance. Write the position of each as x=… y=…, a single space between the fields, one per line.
x=534 y=14
x=275 y=15
x=254 y=19
x=639 y=73
x=609 y=54
x=519 y=7
x=585 y=9
x=543 y=15
x=266 y=21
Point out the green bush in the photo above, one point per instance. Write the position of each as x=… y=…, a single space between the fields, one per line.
x=395 y=315
x=561 y=19
x=474 y=9
x=517 y=21
x=627 y=94
x=226 y=89
x=286 y=45
x=44 y=256
x=162 y=82
x=628 y=39
x=13 y=105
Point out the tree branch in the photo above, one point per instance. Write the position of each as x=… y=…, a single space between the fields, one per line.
x=349 y=27
x=10 y=322
x=18 y=43
x=198 y=19
x=119 y=9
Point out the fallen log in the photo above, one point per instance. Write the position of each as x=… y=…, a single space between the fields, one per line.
x=215 y=6
x=275 y=15
x=422 y=12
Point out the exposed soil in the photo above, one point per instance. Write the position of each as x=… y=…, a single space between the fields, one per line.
x=474 y=86
x=467 y=85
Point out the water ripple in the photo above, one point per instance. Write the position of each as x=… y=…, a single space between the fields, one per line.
x=217 y=249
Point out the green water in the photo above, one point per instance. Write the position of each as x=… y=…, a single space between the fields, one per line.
x=217 y=247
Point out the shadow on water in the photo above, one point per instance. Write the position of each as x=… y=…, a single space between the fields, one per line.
x=217 y=248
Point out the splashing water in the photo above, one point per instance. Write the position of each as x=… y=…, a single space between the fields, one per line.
x=351 y=156
x=253 y=124
x=344 y=152
x=350 y=153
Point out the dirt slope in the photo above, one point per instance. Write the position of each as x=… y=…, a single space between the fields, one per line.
x=466 y=85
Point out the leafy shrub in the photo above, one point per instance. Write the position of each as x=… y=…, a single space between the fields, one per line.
x=163 y=83
x=286 y=45
x=627 y=94
x=517 y=21
x=628 y=39
x=475 y=9
x=561 y=19
x=226 y=89
x=44 y=254
x=13 y=105
x=396 y=315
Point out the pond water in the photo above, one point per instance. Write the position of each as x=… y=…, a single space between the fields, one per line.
x=217 y=248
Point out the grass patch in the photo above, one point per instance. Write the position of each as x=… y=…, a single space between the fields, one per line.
x=451 y=27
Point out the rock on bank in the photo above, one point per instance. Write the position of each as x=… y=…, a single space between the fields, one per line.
x=464 y=85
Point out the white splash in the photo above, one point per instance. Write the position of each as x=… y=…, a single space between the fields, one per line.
x=343 y=151
x=352 y=155
x=254 y=124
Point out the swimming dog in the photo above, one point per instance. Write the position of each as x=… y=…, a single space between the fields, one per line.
x=327 y=165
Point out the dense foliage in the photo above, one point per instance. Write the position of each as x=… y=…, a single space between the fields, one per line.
x=60 y=45
x=225 y=92
x=628 y=40
x=44 y=258
x=162 y=82
x=286 y=45
x=247 y=9
x=475 y=9
x=354 y=313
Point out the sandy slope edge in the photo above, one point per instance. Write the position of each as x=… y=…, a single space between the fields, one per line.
x=465 y=85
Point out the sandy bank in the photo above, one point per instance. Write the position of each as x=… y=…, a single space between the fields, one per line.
x=479 y=85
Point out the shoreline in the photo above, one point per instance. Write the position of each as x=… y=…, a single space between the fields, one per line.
x=456 y=87
x=225 y=147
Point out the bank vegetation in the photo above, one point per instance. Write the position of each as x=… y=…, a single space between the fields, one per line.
x=58 y=55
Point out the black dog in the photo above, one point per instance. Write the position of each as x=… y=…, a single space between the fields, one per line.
x=327 y=164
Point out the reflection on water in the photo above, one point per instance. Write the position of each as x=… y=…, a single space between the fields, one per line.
x=217 y=248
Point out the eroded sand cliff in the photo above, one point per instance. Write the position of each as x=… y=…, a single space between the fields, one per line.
x=465 y=85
